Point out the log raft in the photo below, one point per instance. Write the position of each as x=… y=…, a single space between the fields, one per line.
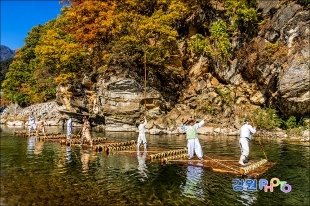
x=216 y=163
x=223 y=164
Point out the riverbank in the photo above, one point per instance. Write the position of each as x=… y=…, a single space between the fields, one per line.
x=55 y=115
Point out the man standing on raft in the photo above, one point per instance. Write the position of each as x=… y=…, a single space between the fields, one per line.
x=32 y=124
x=86 y=132
x=141 y=137
x=193 y=144
x=69 y=128
x=40 y=127
x=245 y=136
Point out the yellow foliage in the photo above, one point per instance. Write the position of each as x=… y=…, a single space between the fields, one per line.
x=62 y=78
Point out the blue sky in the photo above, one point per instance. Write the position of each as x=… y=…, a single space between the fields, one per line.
x=18 y=17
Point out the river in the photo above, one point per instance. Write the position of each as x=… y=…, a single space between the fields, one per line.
x=47 y=173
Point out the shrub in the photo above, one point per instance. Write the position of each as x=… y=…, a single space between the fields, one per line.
x=200 y=45
x=266 y=118
x=290 y=123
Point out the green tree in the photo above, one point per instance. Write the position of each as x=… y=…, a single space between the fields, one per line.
x=5 y=64
x=17 y=84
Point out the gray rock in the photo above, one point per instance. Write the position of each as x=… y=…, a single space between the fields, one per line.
x=155 y=131
x=205 y=130
x=272 y=36
x=267 y=6
x=306 y=133
x=217 y=130
x=294 y=89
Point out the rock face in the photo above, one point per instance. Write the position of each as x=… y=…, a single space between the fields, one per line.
x=289 y=29
x=14 y=115
x=274 y=66
x=271 y=69
x=113 y=101
x=6 y=53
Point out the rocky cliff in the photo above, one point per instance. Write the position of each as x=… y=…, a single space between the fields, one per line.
x=269 y=70
x=266 y=68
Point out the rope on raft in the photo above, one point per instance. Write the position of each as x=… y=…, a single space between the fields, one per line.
x=247 y=169
x=222 y=164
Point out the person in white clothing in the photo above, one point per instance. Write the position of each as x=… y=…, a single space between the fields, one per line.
x=69 y=128
x=193 y=144
x=40 y=127
x=141 y=137
x=245 y=136
x=32 y=124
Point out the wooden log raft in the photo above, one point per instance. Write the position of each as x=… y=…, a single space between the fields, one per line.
x=41 y=136
x=222 y=164
x=251 y=167
x=26 y=134
x=167 y=153
x=216 y=163
x=129 y=145
x=78 y=141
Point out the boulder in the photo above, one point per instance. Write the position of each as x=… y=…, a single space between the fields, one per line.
x=155 y=131
x=16 y=123
x=149 y=124
x=205 y=130
x=306 y=133
x=120 y=128
x=217 y=130
x=293 y=94
x=161 y=123
x=233 y=132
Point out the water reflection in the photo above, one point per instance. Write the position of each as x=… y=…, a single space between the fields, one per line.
x=248 y=197
x=35 y=146
x=141 y=165
x=84 y=159
x=192 y=187
x=30 y=144
x=68 y=154
x=38 y=147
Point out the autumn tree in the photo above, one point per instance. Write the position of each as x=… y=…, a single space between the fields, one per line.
x=59 y=54
x=19 y=79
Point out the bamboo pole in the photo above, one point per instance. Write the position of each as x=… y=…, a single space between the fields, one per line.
x=259 y=140
x=145 y=84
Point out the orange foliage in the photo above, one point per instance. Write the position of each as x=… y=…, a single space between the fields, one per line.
x=91 y=22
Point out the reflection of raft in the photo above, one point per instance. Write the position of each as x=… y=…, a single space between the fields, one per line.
x=46 y=136
x=223 y=164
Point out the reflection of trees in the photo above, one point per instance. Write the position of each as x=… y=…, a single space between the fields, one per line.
x=191 y=187
x=142 y=166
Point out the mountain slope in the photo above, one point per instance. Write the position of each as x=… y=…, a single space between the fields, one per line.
x=6 y=53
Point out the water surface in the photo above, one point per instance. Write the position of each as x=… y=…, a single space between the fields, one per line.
x=46 y=173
